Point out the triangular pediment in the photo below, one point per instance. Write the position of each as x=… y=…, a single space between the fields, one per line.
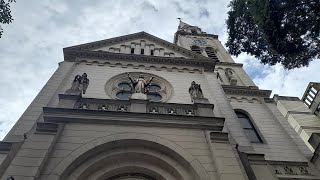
x=140 y=43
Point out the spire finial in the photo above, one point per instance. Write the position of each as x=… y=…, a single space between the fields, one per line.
x=179 y=19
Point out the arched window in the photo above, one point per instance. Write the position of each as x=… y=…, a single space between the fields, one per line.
x=196 y=49
x=248 y=128
x=211 y=54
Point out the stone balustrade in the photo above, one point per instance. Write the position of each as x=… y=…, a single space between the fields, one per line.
x=140 y=106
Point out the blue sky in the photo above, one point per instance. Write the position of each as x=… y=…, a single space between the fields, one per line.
x=31 y=47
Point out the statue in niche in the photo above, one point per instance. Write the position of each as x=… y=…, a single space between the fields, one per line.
x=230 y=76
x=195 y=91
x=79 y=84
x=140 y=85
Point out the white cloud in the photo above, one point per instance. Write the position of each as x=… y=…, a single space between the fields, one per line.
x=31 y=46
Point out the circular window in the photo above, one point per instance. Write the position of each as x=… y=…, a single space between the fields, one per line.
x=119 y=87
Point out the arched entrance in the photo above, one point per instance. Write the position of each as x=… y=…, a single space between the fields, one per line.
x=131 y=156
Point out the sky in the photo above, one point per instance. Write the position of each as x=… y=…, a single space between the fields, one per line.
x=31 y=47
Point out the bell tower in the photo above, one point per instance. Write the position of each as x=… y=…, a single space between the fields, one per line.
x=196 y=40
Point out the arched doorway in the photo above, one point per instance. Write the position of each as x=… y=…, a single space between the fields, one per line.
x=132 y=156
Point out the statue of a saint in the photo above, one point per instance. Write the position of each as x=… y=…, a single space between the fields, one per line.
x=79 y=84
x=140 y=85
x=76 y=83
x=84 y=83
x=229 y=73
x=195 y=91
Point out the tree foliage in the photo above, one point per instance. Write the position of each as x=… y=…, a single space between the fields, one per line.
x=5 y=13
x=275 y=31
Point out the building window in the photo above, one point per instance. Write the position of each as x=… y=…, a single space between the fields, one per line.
x=248 y=128
x=132 y=50
x=142 y=51
x=196 y=49
x=211 y=54
x=151 y=52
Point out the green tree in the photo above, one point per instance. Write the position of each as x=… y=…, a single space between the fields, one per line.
x=5 y=13
x=275 y=31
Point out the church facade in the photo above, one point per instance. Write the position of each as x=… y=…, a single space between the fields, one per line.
x=137 y=107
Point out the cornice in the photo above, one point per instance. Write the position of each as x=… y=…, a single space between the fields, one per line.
x=247 y=91
x=56 y=115
x=229 y=64
x=73 y=55
x=115 y=40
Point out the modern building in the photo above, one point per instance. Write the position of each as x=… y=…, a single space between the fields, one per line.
x=137 y=107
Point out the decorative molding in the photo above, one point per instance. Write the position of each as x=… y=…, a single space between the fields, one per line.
x=243 y=99
x=139 y=35
x=73 y=55
x=56 y=115
x=283 y=169
x=161 y=67
x=247 y=91
x=228 y=64
x=293 y=170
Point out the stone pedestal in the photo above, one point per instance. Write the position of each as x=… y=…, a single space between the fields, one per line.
x=204 y=107
x=74 y=92
x=138 y=103
x=139 y=96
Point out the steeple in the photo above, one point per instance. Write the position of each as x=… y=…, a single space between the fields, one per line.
x=187 y=29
